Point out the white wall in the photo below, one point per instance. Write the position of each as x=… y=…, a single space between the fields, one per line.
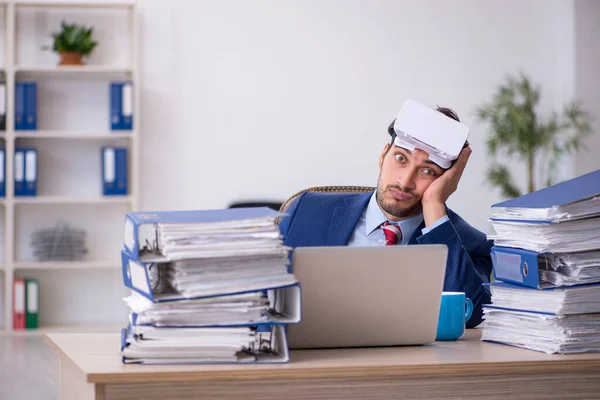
x=587 y=83
x=256 y=100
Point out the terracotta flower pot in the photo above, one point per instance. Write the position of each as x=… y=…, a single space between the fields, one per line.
x=70 y=58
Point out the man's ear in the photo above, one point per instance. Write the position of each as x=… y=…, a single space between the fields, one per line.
x=382 y=156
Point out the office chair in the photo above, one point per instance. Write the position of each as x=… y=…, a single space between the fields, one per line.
x=326 y=189
x=271 y=204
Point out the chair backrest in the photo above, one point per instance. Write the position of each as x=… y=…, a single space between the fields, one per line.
x=326 y=189
x=274 y=205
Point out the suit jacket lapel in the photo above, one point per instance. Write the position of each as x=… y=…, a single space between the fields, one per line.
x=417 y=233
x=345 y=217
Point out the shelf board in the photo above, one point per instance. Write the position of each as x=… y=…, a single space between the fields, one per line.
x=64 y=265
x=71 y=69
x=44 y=329
x=78 y=135
x=81 y=4
x=72 y=200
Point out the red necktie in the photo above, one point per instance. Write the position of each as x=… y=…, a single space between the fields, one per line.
x=392 y=233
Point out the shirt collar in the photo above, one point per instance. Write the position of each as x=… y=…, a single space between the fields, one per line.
x=376 y=217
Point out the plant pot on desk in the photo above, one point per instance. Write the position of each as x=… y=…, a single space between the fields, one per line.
x=70 y=58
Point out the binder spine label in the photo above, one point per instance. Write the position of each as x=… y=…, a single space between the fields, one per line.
x=2 y=99
x=507 y=266
x=139 y=280
x=127 y=106
x=32 y=297
x=109 y=165
x=19 y=297
x=129 y=236
x=30 y=166
x=2 y=173
x=19 y=166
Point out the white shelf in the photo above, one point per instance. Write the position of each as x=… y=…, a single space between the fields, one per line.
x=72 y=200
x=23 y=214
x=78 y=135
x=60 y=265
x=86 y=4
x=72 y=70
x=42 y=330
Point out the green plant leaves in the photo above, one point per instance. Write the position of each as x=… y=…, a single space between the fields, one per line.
x=73 y=38
x=499 y=176
x=518 y=131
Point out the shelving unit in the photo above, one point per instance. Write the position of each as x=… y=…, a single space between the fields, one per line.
x=73 y=200
x=78 y=135
x=99 y=273
x=48 y=265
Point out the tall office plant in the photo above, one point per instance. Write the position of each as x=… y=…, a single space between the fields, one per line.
x=519 y=132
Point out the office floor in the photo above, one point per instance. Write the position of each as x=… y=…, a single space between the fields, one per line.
x=28 y=368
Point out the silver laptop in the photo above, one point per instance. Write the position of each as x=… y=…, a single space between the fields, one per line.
x=368 y=296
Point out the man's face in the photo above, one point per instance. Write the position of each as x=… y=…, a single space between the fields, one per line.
x=403 y=178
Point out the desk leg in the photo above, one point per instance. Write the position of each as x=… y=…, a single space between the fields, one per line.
x=72 y=383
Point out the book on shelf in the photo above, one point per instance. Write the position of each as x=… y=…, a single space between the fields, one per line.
x=26 y=105
x=121 y=105
x=25 y=171
x=114 y=162
x=25 y=303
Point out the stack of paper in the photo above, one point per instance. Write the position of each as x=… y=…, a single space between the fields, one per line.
x=563 y=301
x=543 y=332
x=586 y=208
x=543 y=237
x=546 y=258
x=208 y=286
x=571 y=269
x=148 y=345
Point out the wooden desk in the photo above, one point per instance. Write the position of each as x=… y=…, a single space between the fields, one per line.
x=91 y=368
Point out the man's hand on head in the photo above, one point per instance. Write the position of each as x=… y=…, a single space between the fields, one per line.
x=436 y=195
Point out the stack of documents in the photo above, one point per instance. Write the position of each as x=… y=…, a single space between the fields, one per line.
x=546 y=236
x=543 y=332
x=546 y=257
x=148 y=345
x=207 y=286
x=583 y=299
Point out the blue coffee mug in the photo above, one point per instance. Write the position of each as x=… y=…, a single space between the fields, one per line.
x=455 y=310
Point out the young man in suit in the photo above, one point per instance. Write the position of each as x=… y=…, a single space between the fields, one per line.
x=408 y=207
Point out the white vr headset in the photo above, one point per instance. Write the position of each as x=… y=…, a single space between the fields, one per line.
x=421 y=127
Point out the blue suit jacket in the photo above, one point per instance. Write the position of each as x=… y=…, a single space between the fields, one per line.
x=328 y=219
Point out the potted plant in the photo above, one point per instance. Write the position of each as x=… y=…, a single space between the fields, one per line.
x=519 y=132
x=72 y=43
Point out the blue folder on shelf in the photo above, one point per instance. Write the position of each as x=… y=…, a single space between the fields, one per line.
x=114 y=171
x=121 y=105
x=116 y=118
x=3 y=101
x=30 y=172
x=20 y=106
x=127 y=106
x=30 y=106
x=2 y=172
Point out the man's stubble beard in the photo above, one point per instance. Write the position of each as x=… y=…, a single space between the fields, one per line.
x=396 y=210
